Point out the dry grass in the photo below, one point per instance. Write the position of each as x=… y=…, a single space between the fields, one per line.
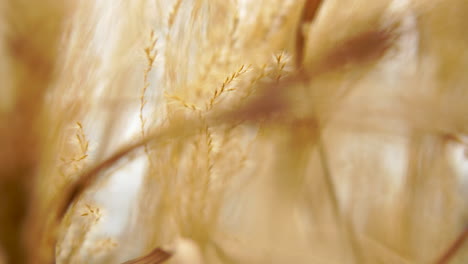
x=272 y=131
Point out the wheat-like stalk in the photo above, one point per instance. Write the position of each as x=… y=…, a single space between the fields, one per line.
x=270 y=131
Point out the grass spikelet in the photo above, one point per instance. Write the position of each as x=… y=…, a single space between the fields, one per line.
x=150 y=53
x=214 y=131
x=178 y=99
x=224 y=86
x=173 y=13
x=78 y=161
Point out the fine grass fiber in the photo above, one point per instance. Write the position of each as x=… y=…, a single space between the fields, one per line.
x=267 y=131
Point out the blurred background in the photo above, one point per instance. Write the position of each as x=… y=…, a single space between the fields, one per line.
x=233 y=131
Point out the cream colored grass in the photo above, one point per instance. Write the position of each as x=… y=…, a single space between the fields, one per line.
x=273 y=131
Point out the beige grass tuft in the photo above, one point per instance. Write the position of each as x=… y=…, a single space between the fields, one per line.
x=262 y=131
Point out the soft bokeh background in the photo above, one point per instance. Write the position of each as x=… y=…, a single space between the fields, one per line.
x=277 y=131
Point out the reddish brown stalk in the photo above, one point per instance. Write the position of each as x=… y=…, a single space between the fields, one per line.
x=154 y=257
x=308 y=14
x=269 y=102
x=454 y=248
x=364 y=47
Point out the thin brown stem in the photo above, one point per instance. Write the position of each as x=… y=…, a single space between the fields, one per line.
x=154 y=257
x=454 y=248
